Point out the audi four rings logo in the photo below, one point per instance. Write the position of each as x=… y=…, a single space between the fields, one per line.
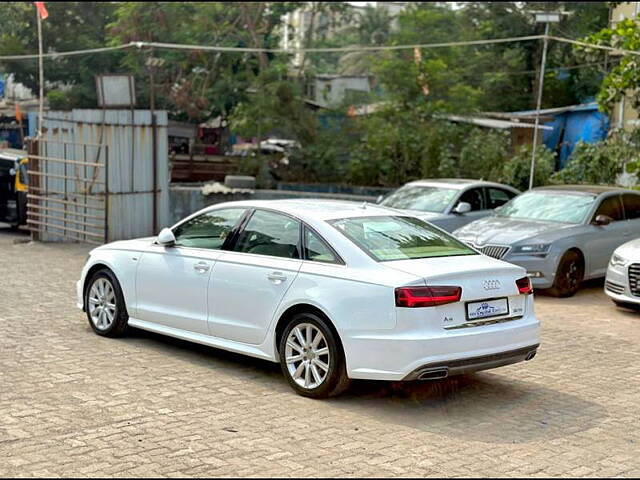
x=491 y=284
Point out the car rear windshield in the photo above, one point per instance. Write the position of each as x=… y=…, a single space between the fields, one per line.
x=549 y=207
x=388 y=238
x=426 y=199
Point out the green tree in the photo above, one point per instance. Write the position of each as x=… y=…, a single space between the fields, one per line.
x=70 y=26
x=623 y=80
x=200 y=84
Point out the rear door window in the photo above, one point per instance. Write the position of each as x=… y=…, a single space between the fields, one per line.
x=270 y=233
x=631 y=206
x=497 y=197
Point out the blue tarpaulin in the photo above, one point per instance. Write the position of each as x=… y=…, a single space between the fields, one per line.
x=573 y=124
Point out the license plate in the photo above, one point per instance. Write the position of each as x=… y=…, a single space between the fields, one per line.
x=487 y=308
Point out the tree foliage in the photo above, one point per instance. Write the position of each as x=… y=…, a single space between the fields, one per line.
x=624 y=78
x=70 y=26
x=601 y=163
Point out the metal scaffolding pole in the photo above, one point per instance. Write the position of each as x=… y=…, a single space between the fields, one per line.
x=539 y=104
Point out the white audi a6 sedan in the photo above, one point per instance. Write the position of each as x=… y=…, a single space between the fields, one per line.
x=331 y=290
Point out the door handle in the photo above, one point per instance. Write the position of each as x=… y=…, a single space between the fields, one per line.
x=276 y=277
x=201 y=267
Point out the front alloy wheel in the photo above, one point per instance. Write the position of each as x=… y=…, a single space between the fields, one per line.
x=104 y=304
x=311 y=357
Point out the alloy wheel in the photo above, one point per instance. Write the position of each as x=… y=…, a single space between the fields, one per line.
x=102 y=304
x=307 y=356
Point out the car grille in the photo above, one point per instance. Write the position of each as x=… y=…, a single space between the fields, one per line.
x=634 y=276
x=495 y=251
x=614 y=287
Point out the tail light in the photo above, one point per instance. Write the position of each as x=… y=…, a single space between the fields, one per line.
x=412 y=297
x=524 y=286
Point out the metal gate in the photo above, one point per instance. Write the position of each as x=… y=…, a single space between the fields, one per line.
x=68 y=197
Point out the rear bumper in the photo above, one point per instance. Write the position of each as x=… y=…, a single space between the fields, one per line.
x=435 y=370
x=396 y=355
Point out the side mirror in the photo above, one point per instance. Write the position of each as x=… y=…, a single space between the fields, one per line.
x=602 y=220
x=462 y=207
x=379 y=199
x=166 y=237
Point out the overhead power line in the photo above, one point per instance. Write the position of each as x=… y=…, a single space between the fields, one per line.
x=355 y=48
x=67 y=54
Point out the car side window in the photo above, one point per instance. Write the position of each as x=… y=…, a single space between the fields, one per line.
x=316 y=249
x=208 y=230
x=270 y=233
x=474 y=198
x=610 y=207
x=631 y=206
x=497 y=197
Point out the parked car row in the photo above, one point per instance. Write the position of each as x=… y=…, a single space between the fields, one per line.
x=561 y=235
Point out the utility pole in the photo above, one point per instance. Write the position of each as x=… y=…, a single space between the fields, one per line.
x=546 y=18
x=41 y=75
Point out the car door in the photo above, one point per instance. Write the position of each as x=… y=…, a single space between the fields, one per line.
x=172 y=281
x=249 y=282
x=475 y=198
x=605 y=238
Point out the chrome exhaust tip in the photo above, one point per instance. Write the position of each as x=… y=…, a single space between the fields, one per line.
x=434 y=374
x=530 y=355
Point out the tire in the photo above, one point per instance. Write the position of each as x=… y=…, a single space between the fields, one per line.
x=569 y=275
x=104 y=289
x=322 y=383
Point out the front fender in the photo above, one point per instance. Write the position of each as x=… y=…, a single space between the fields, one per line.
x=123 y=264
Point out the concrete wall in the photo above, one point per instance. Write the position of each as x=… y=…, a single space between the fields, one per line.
x=186 y=200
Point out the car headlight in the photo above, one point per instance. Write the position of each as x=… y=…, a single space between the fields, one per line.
x=533 y=249
x=617 y=261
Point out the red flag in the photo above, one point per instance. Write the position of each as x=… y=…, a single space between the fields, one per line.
x=42 y=10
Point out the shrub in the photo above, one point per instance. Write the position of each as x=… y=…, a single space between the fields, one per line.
x=601 y=163
x=516 y=171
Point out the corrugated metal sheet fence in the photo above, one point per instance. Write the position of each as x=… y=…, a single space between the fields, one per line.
x=119 y=162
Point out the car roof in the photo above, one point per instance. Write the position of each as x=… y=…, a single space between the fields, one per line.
x=457 y=183
x=592 y=189
x=317 y=209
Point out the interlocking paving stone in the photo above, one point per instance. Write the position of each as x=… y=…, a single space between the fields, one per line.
x=75 y=404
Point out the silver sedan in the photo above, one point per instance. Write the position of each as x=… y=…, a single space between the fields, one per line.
x=562 y=235
x=449 y=203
